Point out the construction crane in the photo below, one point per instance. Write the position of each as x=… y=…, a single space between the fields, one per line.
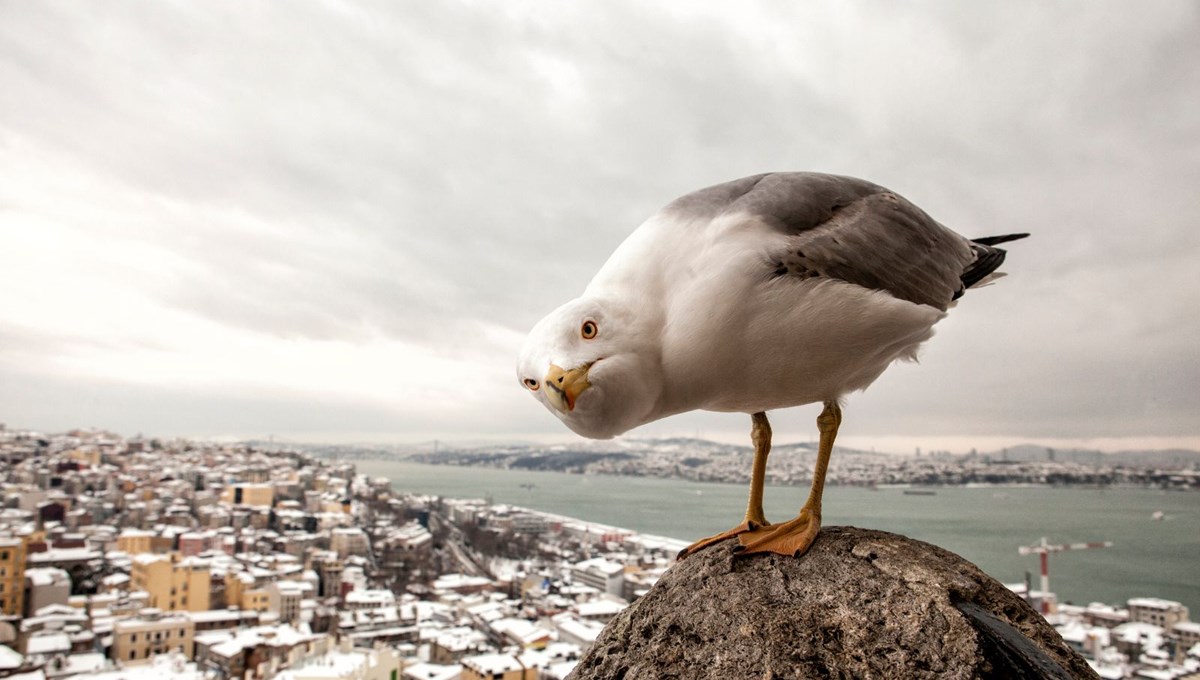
x=1044 y=548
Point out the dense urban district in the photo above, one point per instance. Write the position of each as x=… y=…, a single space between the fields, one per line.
x=792 y=464
x=131 y=559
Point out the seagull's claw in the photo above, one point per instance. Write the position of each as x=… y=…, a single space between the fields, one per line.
x=703 y=543
x=792 y=537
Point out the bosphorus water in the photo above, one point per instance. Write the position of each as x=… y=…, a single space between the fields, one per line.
x=1159 y=558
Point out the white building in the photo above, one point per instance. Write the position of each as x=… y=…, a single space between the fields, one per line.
x=370 y=599
x=347 y=541
x=601 y=574
x=1156 y=611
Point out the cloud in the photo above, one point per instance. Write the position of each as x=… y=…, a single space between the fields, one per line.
x=343 y=202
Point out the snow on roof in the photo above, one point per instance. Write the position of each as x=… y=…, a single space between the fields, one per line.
x=174 y=666
x=606 y=567
x=9 y=658
x=149 y=617
x=1106 y=671
x=376 y=597
x=455 y=581
x=58 y=611
x=1187 y=627
x=601 y=607
x=273 y=636
x=460 y=639
x=492 y=664
x=47 y=576
x=63 y=555
x=520 y=629
x=88 y=662
x=429 y=671
x=584 y=631
x=560 y=670
x=1153 y=603
x=1158 y=673
x=215 y=615
x=52 y=643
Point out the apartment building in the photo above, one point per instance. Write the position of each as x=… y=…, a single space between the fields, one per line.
x=174 y=583
x=139 y=638
x=12 y=576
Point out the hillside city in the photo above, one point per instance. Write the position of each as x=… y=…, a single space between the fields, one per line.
x=792 y=464
x=135 y=558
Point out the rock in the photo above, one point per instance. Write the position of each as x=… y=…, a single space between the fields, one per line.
x=859 y=604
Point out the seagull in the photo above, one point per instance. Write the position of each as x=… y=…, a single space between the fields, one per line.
x=762 y=293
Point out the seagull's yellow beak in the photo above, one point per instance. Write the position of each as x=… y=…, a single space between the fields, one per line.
x=564 y=387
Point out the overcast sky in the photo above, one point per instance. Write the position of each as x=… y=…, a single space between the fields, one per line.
x=337 y=221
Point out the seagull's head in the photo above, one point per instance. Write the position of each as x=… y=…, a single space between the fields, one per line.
x=595 y=363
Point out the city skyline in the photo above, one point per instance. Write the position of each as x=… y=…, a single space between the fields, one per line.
x=332 y=223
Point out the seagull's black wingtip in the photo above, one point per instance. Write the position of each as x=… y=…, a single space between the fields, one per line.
x=994 y=240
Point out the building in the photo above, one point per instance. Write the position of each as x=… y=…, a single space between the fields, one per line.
x=44 y=587
x=497 y=667
x=139 y=638
x=242 y=652
x=259 y=495
x=1155 y=611
x=135 y=541
x=12 y=576
x=284 y=598
x=345 y=663
x=1104 y=616
x=223 y=619
x=453 y=644
x=195 y=542
x=241 y=592
x=329 y=574
x=601 y=574
x=1187 y=633
x=370 y=599
x=347 y=541
x=174 y=583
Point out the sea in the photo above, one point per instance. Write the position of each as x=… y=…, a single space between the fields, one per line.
x=986 y=525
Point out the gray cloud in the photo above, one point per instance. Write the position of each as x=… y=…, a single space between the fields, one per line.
x=340 y=172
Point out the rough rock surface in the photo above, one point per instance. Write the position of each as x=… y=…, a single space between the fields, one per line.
x=859 y=604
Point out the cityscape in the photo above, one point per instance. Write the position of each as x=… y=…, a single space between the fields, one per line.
x=132 y=557
x=790 y=464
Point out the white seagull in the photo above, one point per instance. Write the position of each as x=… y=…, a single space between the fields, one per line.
x=766 y=292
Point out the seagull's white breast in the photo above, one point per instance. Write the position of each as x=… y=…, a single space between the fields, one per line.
x=734 y=338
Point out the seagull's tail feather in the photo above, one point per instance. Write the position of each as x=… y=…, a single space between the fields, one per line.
x=988 y=259
x=997 y=240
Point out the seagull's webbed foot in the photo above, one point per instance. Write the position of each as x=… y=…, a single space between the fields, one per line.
x=792 y=537
x=739 y=530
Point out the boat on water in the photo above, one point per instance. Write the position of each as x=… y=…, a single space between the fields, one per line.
x=920 y=492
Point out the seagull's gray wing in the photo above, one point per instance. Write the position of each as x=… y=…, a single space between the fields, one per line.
x=851 y=230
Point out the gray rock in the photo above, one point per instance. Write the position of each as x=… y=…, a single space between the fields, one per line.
x=859 y=604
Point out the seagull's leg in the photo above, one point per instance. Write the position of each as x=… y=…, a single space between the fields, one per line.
x=794 y=536
x=760 y=434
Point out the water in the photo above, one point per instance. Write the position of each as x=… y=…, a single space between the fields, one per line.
x=984 y=525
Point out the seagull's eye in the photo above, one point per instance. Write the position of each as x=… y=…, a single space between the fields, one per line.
x=531 y=384
x=589 y=329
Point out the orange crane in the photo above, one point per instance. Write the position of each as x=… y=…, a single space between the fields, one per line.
x=1043 y=549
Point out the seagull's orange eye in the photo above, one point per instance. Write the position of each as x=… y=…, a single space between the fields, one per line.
x=589 y=329
x=531 y=384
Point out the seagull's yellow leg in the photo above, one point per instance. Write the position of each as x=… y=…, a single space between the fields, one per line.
x=760 y=434
x=794 y=536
